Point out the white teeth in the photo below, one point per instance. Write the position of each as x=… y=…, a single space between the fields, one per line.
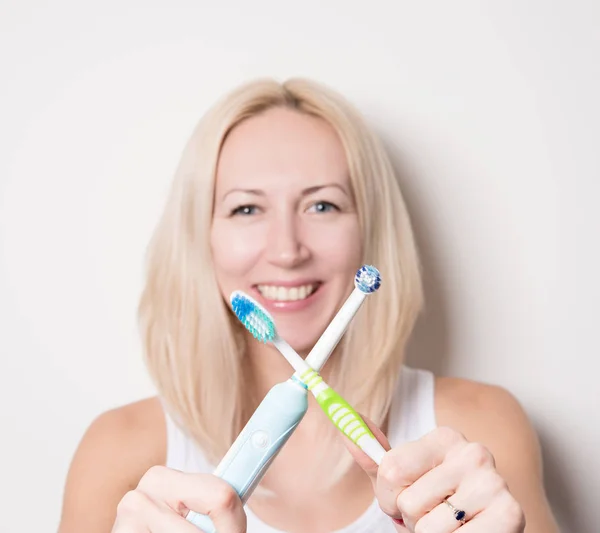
x=285 y=294
x=282 y=293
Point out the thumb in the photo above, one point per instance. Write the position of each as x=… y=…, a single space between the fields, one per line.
x=363 y=460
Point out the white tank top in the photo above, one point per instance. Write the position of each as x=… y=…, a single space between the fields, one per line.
x=412 y=415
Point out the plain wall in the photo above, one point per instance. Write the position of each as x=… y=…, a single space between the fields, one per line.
x=489 y=109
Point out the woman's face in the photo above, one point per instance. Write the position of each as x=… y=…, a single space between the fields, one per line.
x=285 y=228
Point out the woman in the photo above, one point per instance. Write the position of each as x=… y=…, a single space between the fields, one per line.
x=283 y=192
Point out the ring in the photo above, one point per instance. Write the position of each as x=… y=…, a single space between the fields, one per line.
x=459 y=514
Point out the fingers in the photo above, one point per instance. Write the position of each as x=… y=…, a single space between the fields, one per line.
x=466 y=469
x=477 y=492
x=137 y=513
x=414 y=481
x=404 y=465
x=504 y=514
x=164 y=496
x=363 y=460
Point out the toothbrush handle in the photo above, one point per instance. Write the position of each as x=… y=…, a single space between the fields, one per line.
x=348 y=421
x=337 y=327
x=249 y=457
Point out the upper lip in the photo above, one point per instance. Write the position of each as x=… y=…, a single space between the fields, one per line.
x=294 y=283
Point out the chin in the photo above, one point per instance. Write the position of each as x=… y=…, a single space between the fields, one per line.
x=300 y=336
x=298 y=342
x=301 y=332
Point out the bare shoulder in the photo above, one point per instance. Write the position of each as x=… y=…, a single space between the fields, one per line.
x=117 y=449
x=482 y=412
x=487 y=414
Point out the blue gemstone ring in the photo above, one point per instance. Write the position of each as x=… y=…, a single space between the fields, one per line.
x=460 y=515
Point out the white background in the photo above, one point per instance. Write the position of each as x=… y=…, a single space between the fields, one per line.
x=490 y=110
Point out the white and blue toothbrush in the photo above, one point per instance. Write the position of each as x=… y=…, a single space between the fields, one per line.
x=260 y=323
x=284 y=406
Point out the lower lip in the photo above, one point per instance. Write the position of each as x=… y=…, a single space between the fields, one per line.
x=288 y=306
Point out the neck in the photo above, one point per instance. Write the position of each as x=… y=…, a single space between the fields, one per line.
x=265 y=366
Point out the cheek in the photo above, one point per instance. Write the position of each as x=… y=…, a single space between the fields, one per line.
x=235 y=250
x=339 y=244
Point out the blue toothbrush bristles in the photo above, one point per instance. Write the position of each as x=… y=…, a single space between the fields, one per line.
x=367 y=279
x=255 y=319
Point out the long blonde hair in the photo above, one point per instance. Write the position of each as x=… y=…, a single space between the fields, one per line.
x=191 y=343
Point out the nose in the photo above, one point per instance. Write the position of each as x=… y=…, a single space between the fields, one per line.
x=285 y=245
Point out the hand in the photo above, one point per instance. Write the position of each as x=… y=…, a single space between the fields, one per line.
x=163 y=497
x=414 y=479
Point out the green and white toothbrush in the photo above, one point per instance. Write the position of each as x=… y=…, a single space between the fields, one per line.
x=262 y=326
x=284 y=406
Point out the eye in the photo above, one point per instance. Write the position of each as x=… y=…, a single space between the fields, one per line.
x=323 y=207
x=244 y=210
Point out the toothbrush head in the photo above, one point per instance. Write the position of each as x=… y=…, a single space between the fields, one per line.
x=367 y=279
x=254 y=317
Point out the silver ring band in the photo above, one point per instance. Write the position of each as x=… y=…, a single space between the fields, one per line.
x=459 y=514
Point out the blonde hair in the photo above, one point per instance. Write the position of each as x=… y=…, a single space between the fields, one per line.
x=191 y=342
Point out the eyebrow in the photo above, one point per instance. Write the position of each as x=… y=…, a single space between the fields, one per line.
x=305 y=192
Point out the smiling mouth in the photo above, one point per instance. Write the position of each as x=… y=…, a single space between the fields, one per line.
x=287 y=294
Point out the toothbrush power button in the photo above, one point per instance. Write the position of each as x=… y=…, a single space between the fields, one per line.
x=260 y=439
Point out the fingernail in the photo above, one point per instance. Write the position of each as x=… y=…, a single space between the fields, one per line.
x=398 y=521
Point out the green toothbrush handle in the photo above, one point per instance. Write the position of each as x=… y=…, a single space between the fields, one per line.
x=341 y=413
x=350 y=423
x=343 y=416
